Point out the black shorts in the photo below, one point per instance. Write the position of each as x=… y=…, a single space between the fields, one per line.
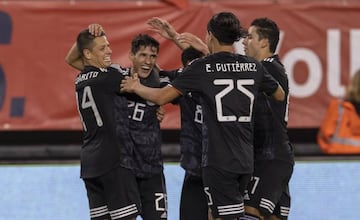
x=113 y=195
x=193 y=203
x=225 y=192
x=268 y=190
x=153 y=197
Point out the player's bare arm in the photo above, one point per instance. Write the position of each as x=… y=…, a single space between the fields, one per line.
x=194 y=41
x=279 y=94
x=162 y=27
x=159 y=96
x=183 y=40
x=73 y=57
x=166 y=30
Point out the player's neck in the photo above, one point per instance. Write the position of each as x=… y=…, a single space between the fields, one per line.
x=265 y=54
x=223 y=48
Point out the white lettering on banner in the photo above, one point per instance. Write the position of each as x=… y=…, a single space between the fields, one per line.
x=315 y=68
x=313 y=82
x=333 y=67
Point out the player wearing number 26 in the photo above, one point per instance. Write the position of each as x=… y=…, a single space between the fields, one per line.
x=228 y=85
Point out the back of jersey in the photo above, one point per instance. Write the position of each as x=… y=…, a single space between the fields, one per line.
x=228 y=84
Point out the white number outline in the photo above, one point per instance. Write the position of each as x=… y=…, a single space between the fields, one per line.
x=138 y=113
x=87 y=101
x=286 y=118
x=198 y=114
x=240 y=83
x=256 y=181
x=208 y=194
x=159 y=197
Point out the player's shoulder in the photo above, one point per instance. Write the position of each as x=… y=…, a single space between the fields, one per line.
x=269 y=59
x=194 y=63
x=273 y=60
x=273 y=63
x=90 y=71
x=125 y=71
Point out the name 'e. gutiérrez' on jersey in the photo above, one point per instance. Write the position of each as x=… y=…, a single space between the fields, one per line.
x=230 y=67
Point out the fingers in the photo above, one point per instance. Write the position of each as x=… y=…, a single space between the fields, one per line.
x=160 y=113
x=96 y=29
x=194 y=41
x=155 y=22
x=129 y=83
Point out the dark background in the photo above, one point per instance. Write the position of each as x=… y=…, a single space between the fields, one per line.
x=65 y=145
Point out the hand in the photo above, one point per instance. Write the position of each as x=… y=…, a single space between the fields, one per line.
x=96 y=29
x=129 y=84
x=160 y=114
x=194 y=41
x=162 y=27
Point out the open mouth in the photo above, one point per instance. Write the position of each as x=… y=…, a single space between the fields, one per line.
x=107 y=59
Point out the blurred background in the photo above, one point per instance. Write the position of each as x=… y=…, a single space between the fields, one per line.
x=40 y=131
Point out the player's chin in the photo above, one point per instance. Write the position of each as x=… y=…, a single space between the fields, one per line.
x=107 y=63
x=144 y=73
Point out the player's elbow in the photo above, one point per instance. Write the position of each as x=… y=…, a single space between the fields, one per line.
x=67 y=60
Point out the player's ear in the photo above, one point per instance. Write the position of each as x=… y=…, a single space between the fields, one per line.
x=264 y=42
x=131 y=56
x=87 y=53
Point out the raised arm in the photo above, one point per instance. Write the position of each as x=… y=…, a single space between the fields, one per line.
x=183 y=40
x=194 y=41
x=165 y=29
x=73 y=57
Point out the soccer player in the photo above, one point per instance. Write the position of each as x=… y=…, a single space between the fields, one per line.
x=143 y=126
x=145 y=130
x=228 y=84
x=268 y=191
x=193 y=203
x=105 y=157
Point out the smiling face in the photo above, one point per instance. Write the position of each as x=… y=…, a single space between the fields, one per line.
x=100 y=54
x=144 y=60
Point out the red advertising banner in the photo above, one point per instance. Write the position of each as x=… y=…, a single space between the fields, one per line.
x=319 y=46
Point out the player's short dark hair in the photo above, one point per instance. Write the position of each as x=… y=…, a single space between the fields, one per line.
x=267 y=28
x=85 y=40
x=143 y=40
x=190 y=54
x=225 y=26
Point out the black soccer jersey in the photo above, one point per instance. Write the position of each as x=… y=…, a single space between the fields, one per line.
x=145 y=130
x=97 y=93
x=271 y=140
x=191 y=124
x=228 y=84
